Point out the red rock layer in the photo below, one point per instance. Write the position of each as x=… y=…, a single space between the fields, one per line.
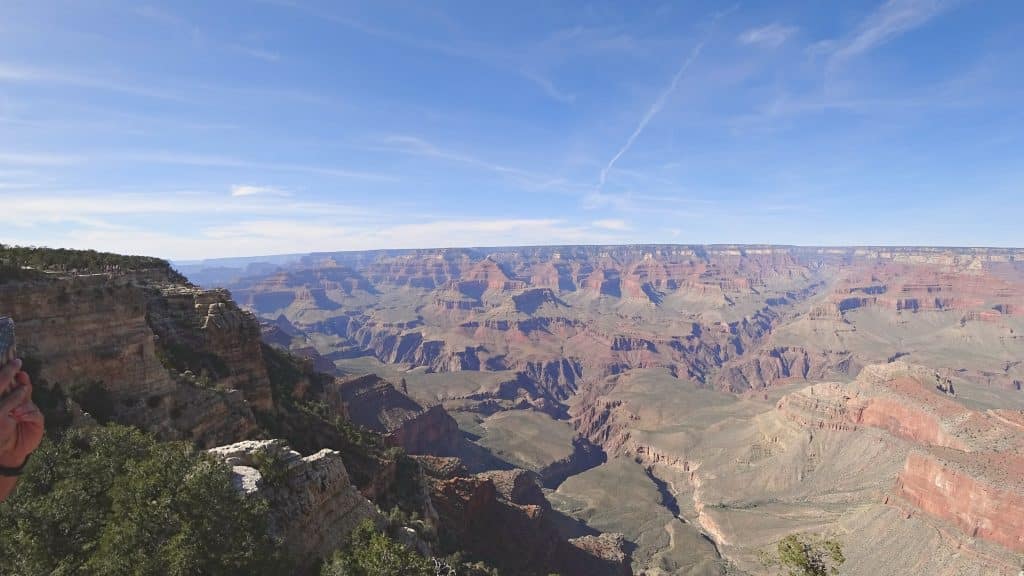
x=981 y=509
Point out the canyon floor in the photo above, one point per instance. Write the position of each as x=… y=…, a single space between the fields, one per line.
x=704 y=402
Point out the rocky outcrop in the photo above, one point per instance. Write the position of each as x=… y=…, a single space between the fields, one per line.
x=585 y=455
x=517 y=486
x=602 y=554
x=519 y=538
x=986 y=504
x=771 y=366
x=432 y=431
x=94 y=343
x=967 y=467
x=208 y=323
x=557 y=378
x=376 y=404
x=313 y=505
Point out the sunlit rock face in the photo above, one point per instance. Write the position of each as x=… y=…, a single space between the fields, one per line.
x=313 y=504
x=108 y=338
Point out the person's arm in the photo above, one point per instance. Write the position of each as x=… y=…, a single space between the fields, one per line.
x=21 y=425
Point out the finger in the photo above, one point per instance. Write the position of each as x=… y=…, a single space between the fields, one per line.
x=27 y=407
x=13 y=399
x=22 y=379
x=35 y=417
x=7 y=374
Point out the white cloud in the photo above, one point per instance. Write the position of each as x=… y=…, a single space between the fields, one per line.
x=888 y=21
x=248 y=190
x=611 y=224
x=34 y=75
x=415 y=146
x=230 y=162
x=271 y=235
x=548 y=87
x=20 y=159
x=770 y=36
x=161 y=16
x=258 y=53
x=258 y=224
x=76 y=205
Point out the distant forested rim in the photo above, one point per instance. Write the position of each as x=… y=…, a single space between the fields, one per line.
x=67 y=260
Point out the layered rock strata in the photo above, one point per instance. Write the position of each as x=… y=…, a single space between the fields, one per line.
x=92 y=338
x=313 y=504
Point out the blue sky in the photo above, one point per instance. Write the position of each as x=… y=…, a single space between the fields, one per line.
x=209 y=129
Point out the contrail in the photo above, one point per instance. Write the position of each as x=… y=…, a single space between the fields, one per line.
x=660 y=102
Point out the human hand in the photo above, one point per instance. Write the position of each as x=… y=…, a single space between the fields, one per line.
x=21 y=421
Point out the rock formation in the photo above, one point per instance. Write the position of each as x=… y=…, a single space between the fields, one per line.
x=95 y=339
x=375 y=403
x=313 y=504
x=511 y=526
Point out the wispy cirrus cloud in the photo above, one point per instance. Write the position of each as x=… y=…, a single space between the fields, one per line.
x=770 y=36
x=488 y=55
x=890 y=20
x=64 y=204
x=163 y=16
x=32 y=159
x=258 y=53
x=611 y=224
x=231 y=162
x=416 y=146
x=20 y=74
x=166 y=18
x=548 y=87
x=290 y=234
x=242 y=190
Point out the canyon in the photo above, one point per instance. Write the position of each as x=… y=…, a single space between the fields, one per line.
x=146 y=348
x=577 y=410
x=700 y=401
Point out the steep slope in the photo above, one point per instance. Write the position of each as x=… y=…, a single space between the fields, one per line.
x=185 y=363
x=695 y=361
x=96 y=339
x=887 y=459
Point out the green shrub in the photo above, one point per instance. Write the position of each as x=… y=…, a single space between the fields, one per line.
x=802 y=555
x=371 y=553
x=406 y=492
x=112 y=500
x=273 y=469
x=181 y=358
x=93 y=397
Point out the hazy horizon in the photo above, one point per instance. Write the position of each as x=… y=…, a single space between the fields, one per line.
x=271 y=127
x=257 y=257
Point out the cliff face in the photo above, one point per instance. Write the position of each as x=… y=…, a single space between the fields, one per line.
x=967 y=467
x=375 y=403
x=432 y=431
x=92 y=337
x=313 y=504
x=938 y=485
x=208 y=320
x=515 y=531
